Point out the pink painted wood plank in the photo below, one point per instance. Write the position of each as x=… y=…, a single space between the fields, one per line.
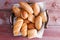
x=52 y=31
x=49 y=34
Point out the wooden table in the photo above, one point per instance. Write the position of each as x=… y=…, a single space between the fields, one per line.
x=51 y=33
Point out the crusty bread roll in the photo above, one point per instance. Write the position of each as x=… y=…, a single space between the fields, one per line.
x=17 y=27
x=38 y=22
x=16 y=11
x=26 y=21
x=31 y=26
x=24 y=14
x=32 y=33
x=31 y=18
x=18 y=18
x=44 y=17
x=26 y=7
x=24 y=29
x=36 y=9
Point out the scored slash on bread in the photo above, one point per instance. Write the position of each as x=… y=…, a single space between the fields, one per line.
x=44 y=17
x=16 y=11
x=38 y=22
x=36 y=9
x=17 y=27
x=26 y=21
x=26 y=7
x=31 y=18
x=24 y=14
x=32 y=33
x=24 y=29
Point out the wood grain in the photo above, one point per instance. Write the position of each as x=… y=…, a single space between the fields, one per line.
x=51 y=33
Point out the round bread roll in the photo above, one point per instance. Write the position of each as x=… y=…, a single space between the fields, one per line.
x=32 y=33
x=26 y=7
x=38 y=22
x=36 y=9
x=16 y=11
x=31 y=26
x=31 y=18
x=26 y=21
x=17 y=27
x=24 y=14
x=24 y=29
x=44 y=17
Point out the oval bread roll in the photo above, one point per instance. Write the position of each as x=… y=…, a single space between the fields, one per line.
x=32 y=33
x=31 y=18
x=26 y=7
x=31 y=26
x=38 y=22
x=17 y=27
x=16 y=11
x=24 y=29
x=44 y=17
x=24 y=14
x=26 y=21
x=36 y=9
x=18 y=19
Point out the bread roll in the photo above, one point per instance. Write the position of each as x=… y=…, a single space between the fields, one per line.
x=31 y=18
x=18 y=18
x=17 y=27
x=26 y=21
x=44 y=17
x=31 y=26
x=26 y=7
x=32 y=33
x=24 y=14
x=16 y=11
x=38 y=22
x=36 y=9
x=24 y=29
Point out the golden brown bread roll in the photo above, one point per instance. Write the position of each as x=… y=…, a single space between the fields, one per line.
x=44 y=16
x=17 y=27
x=31 y=18
x=26 y=7
x=24 y=29
x=36 y=9
x=16 y=11
x=31 y=26
x=18 y=18
x=26 y=21
x=24 y=14
x=32 y=33
x=38 y=22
